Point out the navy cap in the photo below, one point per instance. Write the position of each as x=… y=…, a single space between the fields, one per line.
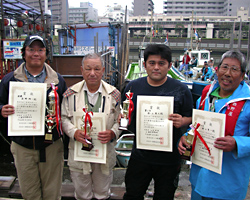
x=33 y=38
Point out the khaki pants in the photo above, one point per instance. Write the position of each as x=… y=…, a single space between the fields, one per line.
x=39 y=180
x=94 y=185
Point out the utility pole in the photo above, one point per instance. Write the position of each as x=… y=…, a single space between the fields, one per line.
x=151 y=26
x=191 y=32
x=42 y=16
x=248 y=48
x=2 y=37
x=232 y=37
x=239 y=35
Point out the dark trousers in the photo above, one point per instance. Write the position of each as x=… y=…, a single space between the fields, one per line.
x=139 y=175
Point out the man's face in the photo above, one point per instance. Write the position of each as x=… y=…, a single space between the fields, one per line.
x=157 y=69
x=92 y=72
x=229 y=79
x=35 y=55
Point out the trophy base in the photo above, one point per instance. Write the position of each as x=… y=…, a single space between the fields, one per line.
x=48 y=138
x=187 y=154
x=123 y=128
x=87 y=147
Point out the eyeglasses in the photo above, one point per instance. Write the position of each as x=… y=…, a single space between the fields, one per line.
x=233 y=69
x=32 y=51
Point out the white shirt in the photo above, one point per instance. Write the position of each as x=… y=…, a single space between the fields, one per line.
x=92 y=97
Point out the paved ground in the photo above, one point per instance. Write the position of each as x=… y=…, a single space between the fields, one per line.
x=183 y=192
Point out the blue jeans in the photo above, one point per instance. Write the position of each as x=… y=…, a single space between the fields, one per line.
x=185 y=66
x=139 y=175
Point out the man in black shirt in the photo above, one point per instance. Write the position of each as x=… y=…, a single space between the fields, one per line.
x=145 y=165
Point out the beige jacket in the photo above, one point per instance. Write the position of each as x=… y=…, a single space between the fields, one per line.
x=74 y=100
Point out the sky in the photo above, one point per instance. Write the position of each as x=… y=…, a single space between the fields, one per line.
x=101 y=4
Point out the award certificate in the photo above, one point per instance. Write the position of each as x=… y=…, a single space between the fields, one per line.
x=29 y=100
x=99 y=152
x=154 y=130
x=212 y=126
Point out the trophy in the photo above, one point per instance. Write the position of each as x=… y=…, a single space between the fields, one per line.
x=128 y=107
x=51 y=109
x=189 y=139
x=86 y=126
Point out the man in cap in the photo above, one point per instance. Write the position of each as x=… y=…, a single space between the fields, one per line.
x=39 y=163
x=206 y=72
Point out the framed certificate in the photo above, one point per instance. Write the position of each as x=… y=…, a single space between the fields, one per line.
x=29 y=100
x=212 y=126
x=153 y=129
x=99 y=152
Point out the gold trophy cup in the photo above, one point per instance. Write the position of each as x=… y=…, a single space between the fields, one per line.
x=189 y=139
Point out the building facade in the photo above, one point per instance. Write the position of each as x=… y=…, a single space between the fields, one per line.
x=57 y=8
x=203 y=7
x=83 y=14
x=143 y=7
x=180 y=26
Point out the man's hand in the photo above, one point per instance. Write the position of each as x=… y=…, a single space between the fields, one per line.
x=179 y=121
x=183 y=145
x=106 y=136
x=80 y=136
x=7 y=110
x=226 y=144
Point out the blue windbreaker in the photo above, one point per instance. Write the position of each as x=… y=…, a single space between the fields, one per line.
x=232 y=183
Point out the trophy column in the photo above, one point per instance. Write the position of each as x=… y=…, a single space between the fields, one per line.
x=86 y=126
x=51 y=114
x=128 y=107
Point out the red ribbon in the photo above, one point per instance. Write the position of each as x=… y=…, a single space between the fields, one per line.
x=87 y=118
x=129 y=95
x=196 y=133
x=57 y=110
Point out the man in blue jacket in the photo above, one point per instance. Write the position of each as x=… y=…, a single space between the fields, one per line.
x=206 y=72
x=227 y=95
x=38 y=161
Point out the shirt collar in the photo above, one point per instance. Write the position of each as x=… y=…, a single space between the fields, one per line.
x=37 y=78
x=85 y=88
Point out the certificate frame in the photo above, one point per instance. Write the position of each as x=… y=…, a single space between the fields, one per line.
x=99 y=153
x=29 y=100
x=212 y=126
x=153 y=128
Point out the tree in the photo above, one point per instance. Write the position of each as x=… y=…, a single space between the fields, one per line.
x=179 y=28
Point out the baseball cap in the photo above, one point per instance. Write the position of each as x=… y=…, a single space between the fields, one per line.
x=33 y=38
